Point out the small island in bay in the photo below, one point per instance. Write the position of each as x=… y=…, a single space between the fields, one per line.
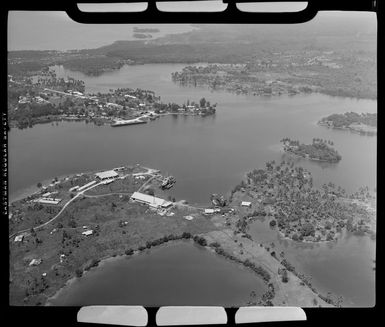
x=364 y=123
x=145 y=30
x=320 y=150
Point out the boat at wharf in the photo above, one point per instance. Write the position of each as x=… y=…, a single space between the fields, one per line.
x=168 y=182
x=122 y=122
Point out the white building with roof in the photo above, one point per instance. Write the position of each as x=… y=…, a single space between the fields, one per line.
x=35 y=262
x=246 y=204
x=107 y=181
x=107 y=174
x=151 y=200
x=48 y=200
x=19 y=238
x=88 y=232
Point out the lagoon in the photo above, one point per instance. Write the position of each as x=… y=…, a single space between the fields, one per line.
x=180 y=273
x=343 y=267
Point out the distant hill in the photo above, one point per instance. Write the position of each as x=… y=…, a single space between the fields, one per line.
x=233 y=43
x=334 y=31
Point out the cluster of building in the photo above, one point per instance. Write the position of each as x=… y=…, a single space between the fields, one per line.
x=32 y=99
x=47 y=198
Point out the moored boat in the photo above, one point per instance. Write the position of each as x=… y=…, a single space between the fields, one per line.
x=168 y=182
x=127 y=122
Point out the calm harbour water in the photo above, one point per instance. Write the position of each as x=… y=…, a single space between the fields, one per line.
x=212 y=154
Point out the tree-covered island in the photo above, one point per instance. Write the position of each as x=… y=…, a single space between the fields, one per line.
x=320 y=150
x=364 y=123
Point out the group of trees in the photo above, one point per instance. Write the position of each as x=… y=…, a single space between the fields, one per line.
x=28 y=113
x=319 y=149
x=61 y=84
x=268 y=296
x=348 y=118
x=93 y=66
x=165 y=239
x=284 y=275
x=258 y=269
x=318 y=140
x=36 y=286
x=200 y=240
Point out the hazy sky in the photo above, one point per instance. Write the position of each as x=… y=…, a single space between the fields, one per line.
x=36 y=30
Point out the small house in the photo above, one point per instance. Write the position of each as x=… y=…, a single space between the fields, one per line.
x=88 y=232
x=246 y=204
x=35 y=262
x=19 y=238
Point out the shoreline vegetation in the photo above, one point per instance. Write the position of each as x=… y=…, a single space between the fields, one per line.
x=318 y=150
x=44 y=259
x=363 y=124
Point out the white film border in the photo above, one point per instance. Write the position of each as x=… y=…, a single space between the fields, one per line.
x=185 y=315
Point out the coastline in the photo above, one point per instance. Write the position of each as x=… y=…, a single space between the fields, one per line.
x=111 y=258
x=235 y=260
x=351 y=129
